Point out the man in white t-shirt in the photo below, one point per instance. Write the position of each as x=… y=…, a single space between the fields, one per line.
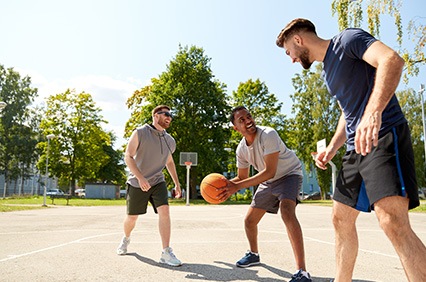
x=279 y=178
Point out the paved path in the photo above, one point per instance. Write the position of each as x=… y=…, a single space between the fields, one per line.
x=79 y=243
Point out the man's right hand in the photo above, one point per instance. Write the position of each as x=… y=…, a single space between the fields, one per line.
x=144 y=184
x=323 y=158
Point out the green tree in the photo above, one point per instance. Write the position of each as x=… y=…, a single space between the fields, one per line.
x=265 y=108
x=199 y=104
x=350 y=13
x=316 y=117
x=16 y=138
x=77 y=153
x=412 y=108
x=112 y=171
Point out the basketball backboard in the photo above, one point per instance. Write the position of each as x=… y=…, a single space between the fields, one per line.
x=188 y=157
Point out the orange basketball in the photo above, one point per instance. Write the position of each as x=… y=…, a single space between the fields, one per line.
x=209 y=185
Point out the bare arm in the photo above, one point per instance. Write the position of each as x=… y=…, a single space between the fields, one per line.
x=171 y=168
x=129 y=155
x=339 y=138
x=243 y=180
x=389 y=68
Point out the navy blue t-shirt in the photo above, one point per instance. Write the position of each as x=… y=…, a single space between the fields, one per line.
x=351 y=80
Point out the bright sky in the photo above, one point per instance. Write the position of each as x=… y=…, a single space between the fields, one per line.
x=112 y=48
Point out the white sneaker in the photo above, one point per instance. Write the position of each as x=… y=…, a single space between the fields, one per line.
x=168 y=257
x=122 y=248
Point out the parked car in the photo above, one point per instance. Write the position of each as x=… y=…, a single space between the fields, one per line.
x=314 y=196
x=123 y=193
x=54 y=192
x=422 y=195
x=303 y=195
x=80 y=193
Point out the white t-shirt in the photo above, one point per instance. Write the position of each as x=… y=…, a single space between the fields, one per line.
x=267 y=141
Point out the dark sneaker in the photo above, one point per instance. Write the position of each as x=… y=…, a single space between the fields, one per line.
x=249 y=259
x=301 y=276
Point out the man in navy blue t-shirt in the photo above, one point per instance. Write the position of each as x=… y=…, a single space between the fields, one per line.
x=378 y=168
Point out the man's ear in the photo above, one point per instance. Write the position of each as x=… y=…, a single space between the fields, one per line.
x=298 y=39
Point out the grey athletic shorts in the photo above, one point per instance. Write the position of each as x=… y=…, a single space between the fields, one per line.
x=268 y=196
x=137 y=200
x=388 y=170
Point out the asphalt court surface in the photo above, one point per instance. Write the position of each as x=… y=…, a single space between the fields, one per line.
x=79 y=244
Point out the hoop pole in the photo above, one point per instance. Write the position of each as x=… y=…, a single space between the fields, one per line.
x=188 y=168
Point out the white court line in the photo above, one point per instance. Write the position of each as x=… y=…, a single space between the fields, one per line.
x=54 y=247
x=11 y=257
x=362 y=250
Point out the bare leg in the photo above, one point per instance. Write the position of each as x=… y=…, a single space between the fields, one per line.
x=129 y=224
x=288 y=214
x=344 y=219
x=392 y=213
x=164 y=224
x=254 y=215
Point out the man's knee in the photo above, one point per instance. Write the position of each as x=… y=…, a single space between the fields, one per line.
x=131 y=218
x=392 y=213
x=163 y=210
x=288 y=210
x=343 y=217
x=250 y=222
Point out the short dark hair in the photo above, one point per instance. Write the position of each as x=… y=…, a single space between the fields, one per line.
x=234 y=110
x=159 y=108
x=295 y=26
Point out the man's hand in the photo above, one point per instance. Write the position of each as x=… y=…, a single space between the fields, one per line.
x=143 y=183
x=178 y=192
x=367 y=132
x=227 y=191
x=324 y=157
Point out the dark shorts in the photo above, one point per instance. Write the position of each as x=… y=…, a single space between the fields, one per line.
x=137 y=200
x=268 y=196
x=387 y=171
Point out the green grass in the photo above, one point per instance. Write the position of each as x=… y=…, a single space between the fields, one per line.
x=421 y=208
x=36 y=202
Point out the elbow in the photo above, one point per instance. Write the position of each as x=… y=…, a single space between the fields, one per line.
x=126 y=159
x=397 y=61
x=270 y=174
x=401 y=62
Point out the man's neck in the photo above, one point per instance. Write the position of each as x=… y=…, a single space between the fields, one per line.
x=250 y=138
x=321 y=49
x=156 y=126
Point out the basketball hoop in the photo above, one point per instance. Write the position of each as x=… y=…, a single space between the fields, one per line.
x=188 y=164
x=314 y=155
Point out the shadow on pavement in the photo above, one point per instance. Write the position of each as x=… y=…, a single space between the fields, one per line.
x=229 y=272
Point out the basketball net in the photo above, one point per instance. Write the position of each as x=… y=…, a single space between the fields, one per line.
x=188 y=164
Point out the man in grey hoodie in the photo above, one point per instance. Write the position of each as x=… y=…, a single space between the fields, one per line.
x=149 y=150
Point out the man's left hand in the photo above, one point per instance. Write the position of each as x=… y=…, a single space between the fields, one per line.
x=367 y=133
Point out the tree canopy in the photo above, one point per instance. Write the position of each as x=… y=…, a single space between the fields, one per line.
x=351 y=13
x=17 y=139
x=316 y=114
x=199 y=106
x=78 y=150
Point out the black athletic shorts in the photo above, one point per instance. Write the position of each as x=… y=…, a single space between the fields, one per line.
x=388 y=170
x=137 y=200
